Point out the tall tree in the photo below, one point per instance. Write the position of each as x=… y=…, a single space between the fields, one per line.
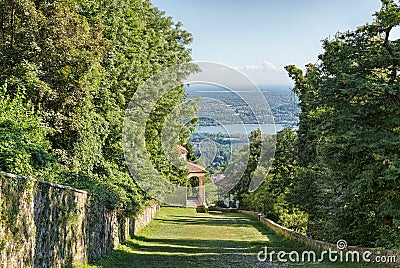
x=349 y=134
x=271 y=198
x=254 y=148
x=79 y=63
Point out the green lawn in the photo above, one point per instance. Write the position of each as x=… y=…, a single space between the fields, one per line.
x=180 y=237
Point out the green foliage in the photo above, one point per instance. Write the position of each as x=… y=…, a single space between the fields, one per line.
x=271 y=198
x=254 y=147
x=71 y=67
x=349 y=135
x=23 y=144
x=160 y=116
x=224 y=145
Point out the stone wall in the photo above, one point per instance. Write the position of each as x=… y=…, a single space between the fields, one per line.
x=316 y=244
x=143 y=219
x=44 y=224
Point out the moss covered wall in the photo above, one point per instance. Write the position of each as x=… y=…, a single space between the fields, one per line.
x=48 y=225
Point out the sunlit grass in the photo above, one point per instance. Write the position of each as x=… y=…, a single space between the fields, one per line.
x=180 y=237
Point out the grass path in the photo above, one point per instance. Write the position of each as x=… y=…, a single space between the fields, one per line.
x=180 y=237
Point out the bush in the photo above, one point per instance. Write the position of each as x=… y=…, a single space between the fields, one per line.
x=24 y=149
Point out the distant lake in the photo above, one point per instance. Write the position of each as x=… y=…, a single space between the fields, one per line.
x=240 y=129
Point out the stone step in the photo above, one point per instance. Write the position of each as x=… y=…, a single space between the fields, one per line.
x=192 y=203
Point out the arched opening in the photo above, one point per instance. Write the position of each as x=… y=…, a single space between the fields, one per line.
x=193 y=189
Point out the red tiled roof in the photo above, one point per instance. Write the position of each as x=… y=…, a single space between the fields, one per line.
x=181 y=149
x=193 y=168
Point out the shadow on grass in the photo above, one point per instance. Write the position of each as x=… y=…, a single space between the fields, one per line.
x=151 y=250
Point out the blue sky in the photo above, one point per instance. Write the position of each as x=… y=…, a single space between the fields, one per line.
x=259 y=37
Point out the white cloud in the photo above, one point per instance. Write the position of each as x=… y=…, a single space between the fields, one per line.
x=264 y=66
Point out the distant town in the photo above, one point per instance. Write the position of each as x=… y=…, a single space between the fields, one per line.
x=283 y=104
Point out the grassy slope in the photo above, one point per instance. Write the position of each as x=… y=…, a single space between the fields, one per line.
x=183 y=238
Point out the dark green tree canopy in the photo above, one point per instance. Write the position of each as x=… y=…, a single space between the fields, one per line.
x=76 y=65
x=349 y=134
